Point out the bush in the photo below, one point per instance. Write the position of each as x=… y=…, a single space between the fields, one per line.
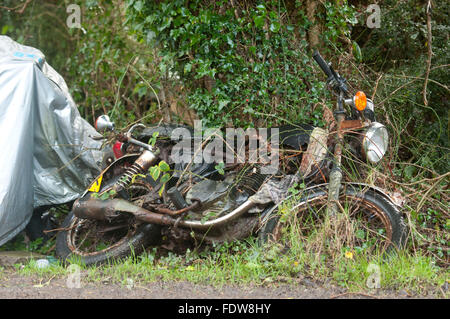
x=242 y=62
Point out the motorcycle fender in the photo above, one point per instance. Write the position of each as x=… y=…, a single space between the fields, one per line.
x=378 y=190
x=267 y=213
x=294 y=136
x=365 y=186
x=96 y=184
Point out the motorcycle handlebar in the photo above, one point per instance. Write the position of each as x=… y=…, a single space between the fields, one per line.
x=323 y=65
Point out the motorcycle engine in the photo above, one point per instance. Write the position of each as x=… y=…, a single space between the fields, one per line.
x=219 y=198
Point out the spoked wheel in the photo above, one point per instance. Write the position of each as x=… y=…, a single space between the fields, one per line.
x=97 y=242
x=366 y=221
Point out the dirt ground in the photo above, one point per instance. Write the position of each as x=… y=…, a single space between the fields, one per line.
x=14 y=286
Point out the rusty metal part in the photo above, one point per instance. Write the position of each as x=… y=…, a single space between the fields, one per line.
x=146 y=160
x=108 y=229
x=93 y=209
x=238 y=229
x=352 y=124
x=114 y=167
x=141 y=165
x=103 y=209
x=237 y=212
x=178 y=212
x=127 y=177
x=336 y=173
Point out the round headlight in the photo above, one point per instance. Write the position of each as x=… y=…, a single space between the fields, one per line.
x=375 y=142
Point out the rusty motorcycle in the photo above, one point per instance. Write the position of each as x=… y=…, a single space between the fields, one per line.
x=129 y=207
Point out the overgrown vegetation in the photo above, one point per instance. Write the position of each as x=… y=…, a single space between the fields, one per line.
x=248 y=63
x=240 y=62
x=247 y=262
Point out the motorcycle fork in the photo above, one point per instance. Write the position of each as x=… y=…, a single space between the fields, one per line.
x=336 y=172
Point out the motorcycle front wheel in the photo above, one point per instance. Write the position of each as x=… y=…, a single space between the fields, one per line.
x=94 y=242
x=367 y=221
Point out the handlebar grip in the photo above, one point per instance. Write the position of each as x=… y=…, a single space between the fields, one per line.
x=321 y=62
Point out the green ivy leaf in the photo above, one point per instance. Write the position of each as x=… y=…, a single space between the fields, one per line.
x=220 y=168
x=133 y=179
x=152 y=140
x=230 y=41
x=259 y=21
x=5 y=29
x=274 y=26
x=261 y=8
x=165 y=178
x=222 y=104
x=187 y=68
x=163 y=166
x=154 y=171
x=357 y=51
x=138 y=5
x=104 y=196
x=161 y=190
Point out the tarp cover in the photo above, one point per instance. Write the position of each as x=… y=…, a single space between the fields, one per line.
x=47 y=155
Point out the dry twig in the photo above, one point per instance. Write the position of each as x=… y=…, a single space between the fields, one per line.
x=430 y=52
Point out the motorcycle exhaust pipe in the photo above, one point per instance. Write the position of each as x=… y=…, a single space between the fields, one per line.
x=107 y=209
x=237 y=212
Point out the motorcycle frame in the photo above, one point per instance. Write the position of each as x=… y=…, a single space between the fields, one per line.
x=334 y=184
x=148 y=157
x=97 y=209
x=335 y=178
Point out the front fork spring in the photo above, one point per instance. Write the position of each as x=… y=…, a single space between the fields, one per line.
x=140 y=166
x=127 y=177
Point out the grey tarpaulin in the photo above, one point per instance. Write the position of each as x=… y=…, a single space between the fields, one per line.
x=46 y=153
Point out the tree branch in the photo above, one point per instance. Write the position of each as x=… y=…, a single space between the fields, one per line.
x=430 y=52
x=20 y=11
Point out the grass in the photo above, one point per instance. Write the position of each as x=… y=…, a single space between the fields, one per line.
x=246 y=262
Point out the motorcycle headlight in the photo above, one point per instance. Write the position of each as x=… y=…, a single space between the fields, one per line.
x=375 y=142
x=370 y=105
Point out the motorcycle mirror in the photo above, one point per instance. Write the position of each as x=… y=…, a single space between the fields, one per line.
x=103 y=123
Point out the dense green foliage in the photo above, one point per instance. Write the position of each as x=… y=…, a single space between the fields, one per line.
x=248 y=63
x=105 y=70
x=110 y=70
x=239 y=63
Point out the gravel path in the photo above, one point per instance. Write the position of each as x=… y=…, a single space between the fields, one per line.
x=14 y=286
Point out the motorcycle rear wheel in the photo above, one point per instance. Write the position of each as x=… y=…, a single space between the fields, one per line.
x=94 y=242
x=372 y=223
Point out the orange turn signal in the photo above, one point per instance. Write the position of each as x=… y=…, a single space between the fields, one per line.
x=360 y=100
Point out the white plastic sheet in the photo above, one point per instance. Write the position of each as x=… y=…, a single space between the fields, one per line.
x=47 y=155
